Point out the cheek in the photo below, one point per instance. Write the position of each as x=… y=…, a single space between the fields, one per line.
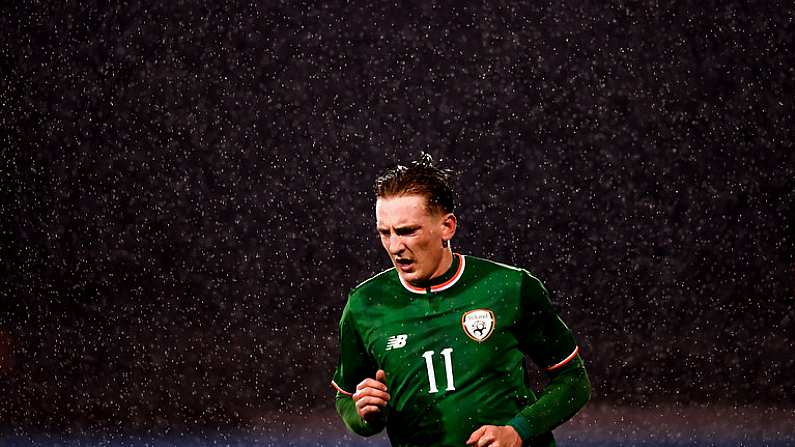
x=423 y=246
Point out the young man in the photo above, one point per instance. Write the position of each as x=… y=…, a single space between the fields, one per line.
x=433 y=349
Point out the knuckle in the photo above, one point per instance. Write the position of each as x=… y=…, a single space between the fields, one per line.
x=369 y=409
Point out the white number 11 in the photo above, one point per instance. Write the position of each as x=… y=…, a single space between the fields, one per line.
x=448 y=369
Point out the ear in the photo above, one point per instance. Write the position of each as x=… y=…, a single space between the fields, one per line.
x=449 y=224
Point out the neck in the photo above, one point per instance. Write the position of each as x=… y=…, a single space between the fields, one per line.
x=451 y=268
x=441 y=271
x=444 y=266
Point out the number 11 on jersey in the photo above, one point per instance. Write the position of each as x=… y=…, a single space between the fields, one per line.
x=448 y=369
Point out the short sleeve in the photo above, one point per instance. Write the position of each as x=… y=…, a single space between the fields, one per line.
x=542 y=335
x=354 y=363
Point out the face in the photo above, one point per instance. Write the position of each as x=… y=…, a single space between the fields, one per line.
x=413 y=236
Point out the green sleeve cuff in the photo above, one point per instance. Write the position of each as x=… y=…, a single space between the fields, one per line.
x=346 y=408
x=521 y=426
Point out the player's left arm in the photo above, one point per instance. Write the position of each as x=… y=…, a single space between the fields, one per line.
x=549 y=342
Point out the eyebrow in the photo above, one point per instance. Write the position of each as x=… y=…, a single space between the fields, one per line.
x=399 y=229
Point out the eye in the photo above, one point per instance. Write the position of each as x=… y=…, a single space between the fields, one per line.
x=406 y=231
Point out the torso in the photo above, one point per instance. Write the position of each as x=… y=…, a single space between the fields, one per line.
x=451 y=357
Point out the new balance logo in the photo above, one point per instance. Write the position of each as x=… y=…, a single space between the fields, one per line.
x=396 y=342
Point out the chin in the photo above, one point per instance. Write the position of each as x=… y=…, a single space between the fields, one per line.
x=414 y=279
x=408 y=277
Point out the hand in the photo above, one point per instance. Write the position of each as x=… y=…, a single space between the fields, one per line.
x=494 y=436
x=371 y=396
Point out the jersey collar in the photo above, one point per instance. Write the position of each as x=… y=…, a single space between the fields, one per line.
x=444 y=282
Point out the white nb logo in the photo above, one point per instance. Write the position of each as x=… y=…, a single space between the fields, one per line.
x=396 y=342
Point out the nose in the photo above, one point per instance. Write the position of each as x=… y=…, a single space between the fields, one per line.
x=395 y=245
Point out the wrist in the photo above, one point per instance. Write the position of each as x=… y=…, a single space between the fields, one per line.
x=520 y=425
x=517 y=440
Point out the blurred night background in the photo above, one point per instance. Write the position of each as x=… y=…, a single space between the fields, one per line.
x=186 y=198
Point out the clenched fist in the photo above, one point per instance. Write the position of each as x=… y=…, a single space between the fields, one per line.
x=371 y=396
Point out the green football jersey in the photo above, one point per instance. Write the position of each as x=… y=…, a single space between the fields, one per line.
x=453 y=352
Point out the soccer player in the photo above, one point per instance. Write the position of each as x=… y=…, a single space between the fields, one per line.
x=434 y=349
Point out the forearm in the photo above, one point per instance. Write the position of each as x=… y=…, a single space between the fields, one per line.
x=346 y=408
x=566 y=393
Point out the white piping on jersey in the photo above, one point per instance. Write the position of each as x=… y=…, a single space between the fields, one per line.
x=564 y=361
x=334 y=384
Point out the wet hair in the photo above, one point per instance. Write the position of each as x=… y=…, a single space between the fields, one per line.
x=420 y=177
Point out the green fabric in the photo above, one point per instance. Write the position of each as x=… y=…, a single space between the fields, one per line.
x=445 y=382
x=347 y=410
x=567 y=391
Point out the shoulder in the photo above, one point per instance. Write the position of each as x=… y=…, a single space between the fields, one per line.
x=487 y=267
x=365 y=300
x=505 y=274
x=488 y=264
x=373 y=286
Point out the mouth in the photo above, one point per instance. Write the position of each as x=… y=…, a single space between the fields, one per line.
x=404 y=265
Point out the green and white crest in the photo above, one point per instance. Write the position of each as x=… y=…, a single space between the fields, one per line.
x=478 y=324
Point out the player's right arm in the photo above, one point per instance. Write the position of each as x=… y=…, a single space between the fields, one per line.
x=366 y=415
x=371 y=397
x=361 y=393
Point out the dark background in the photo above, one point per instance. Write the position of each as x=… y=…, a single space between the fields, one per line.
x=186 y=193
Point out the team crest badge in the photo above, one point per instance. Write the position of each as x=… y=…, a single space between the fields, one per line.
x=478 y=324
